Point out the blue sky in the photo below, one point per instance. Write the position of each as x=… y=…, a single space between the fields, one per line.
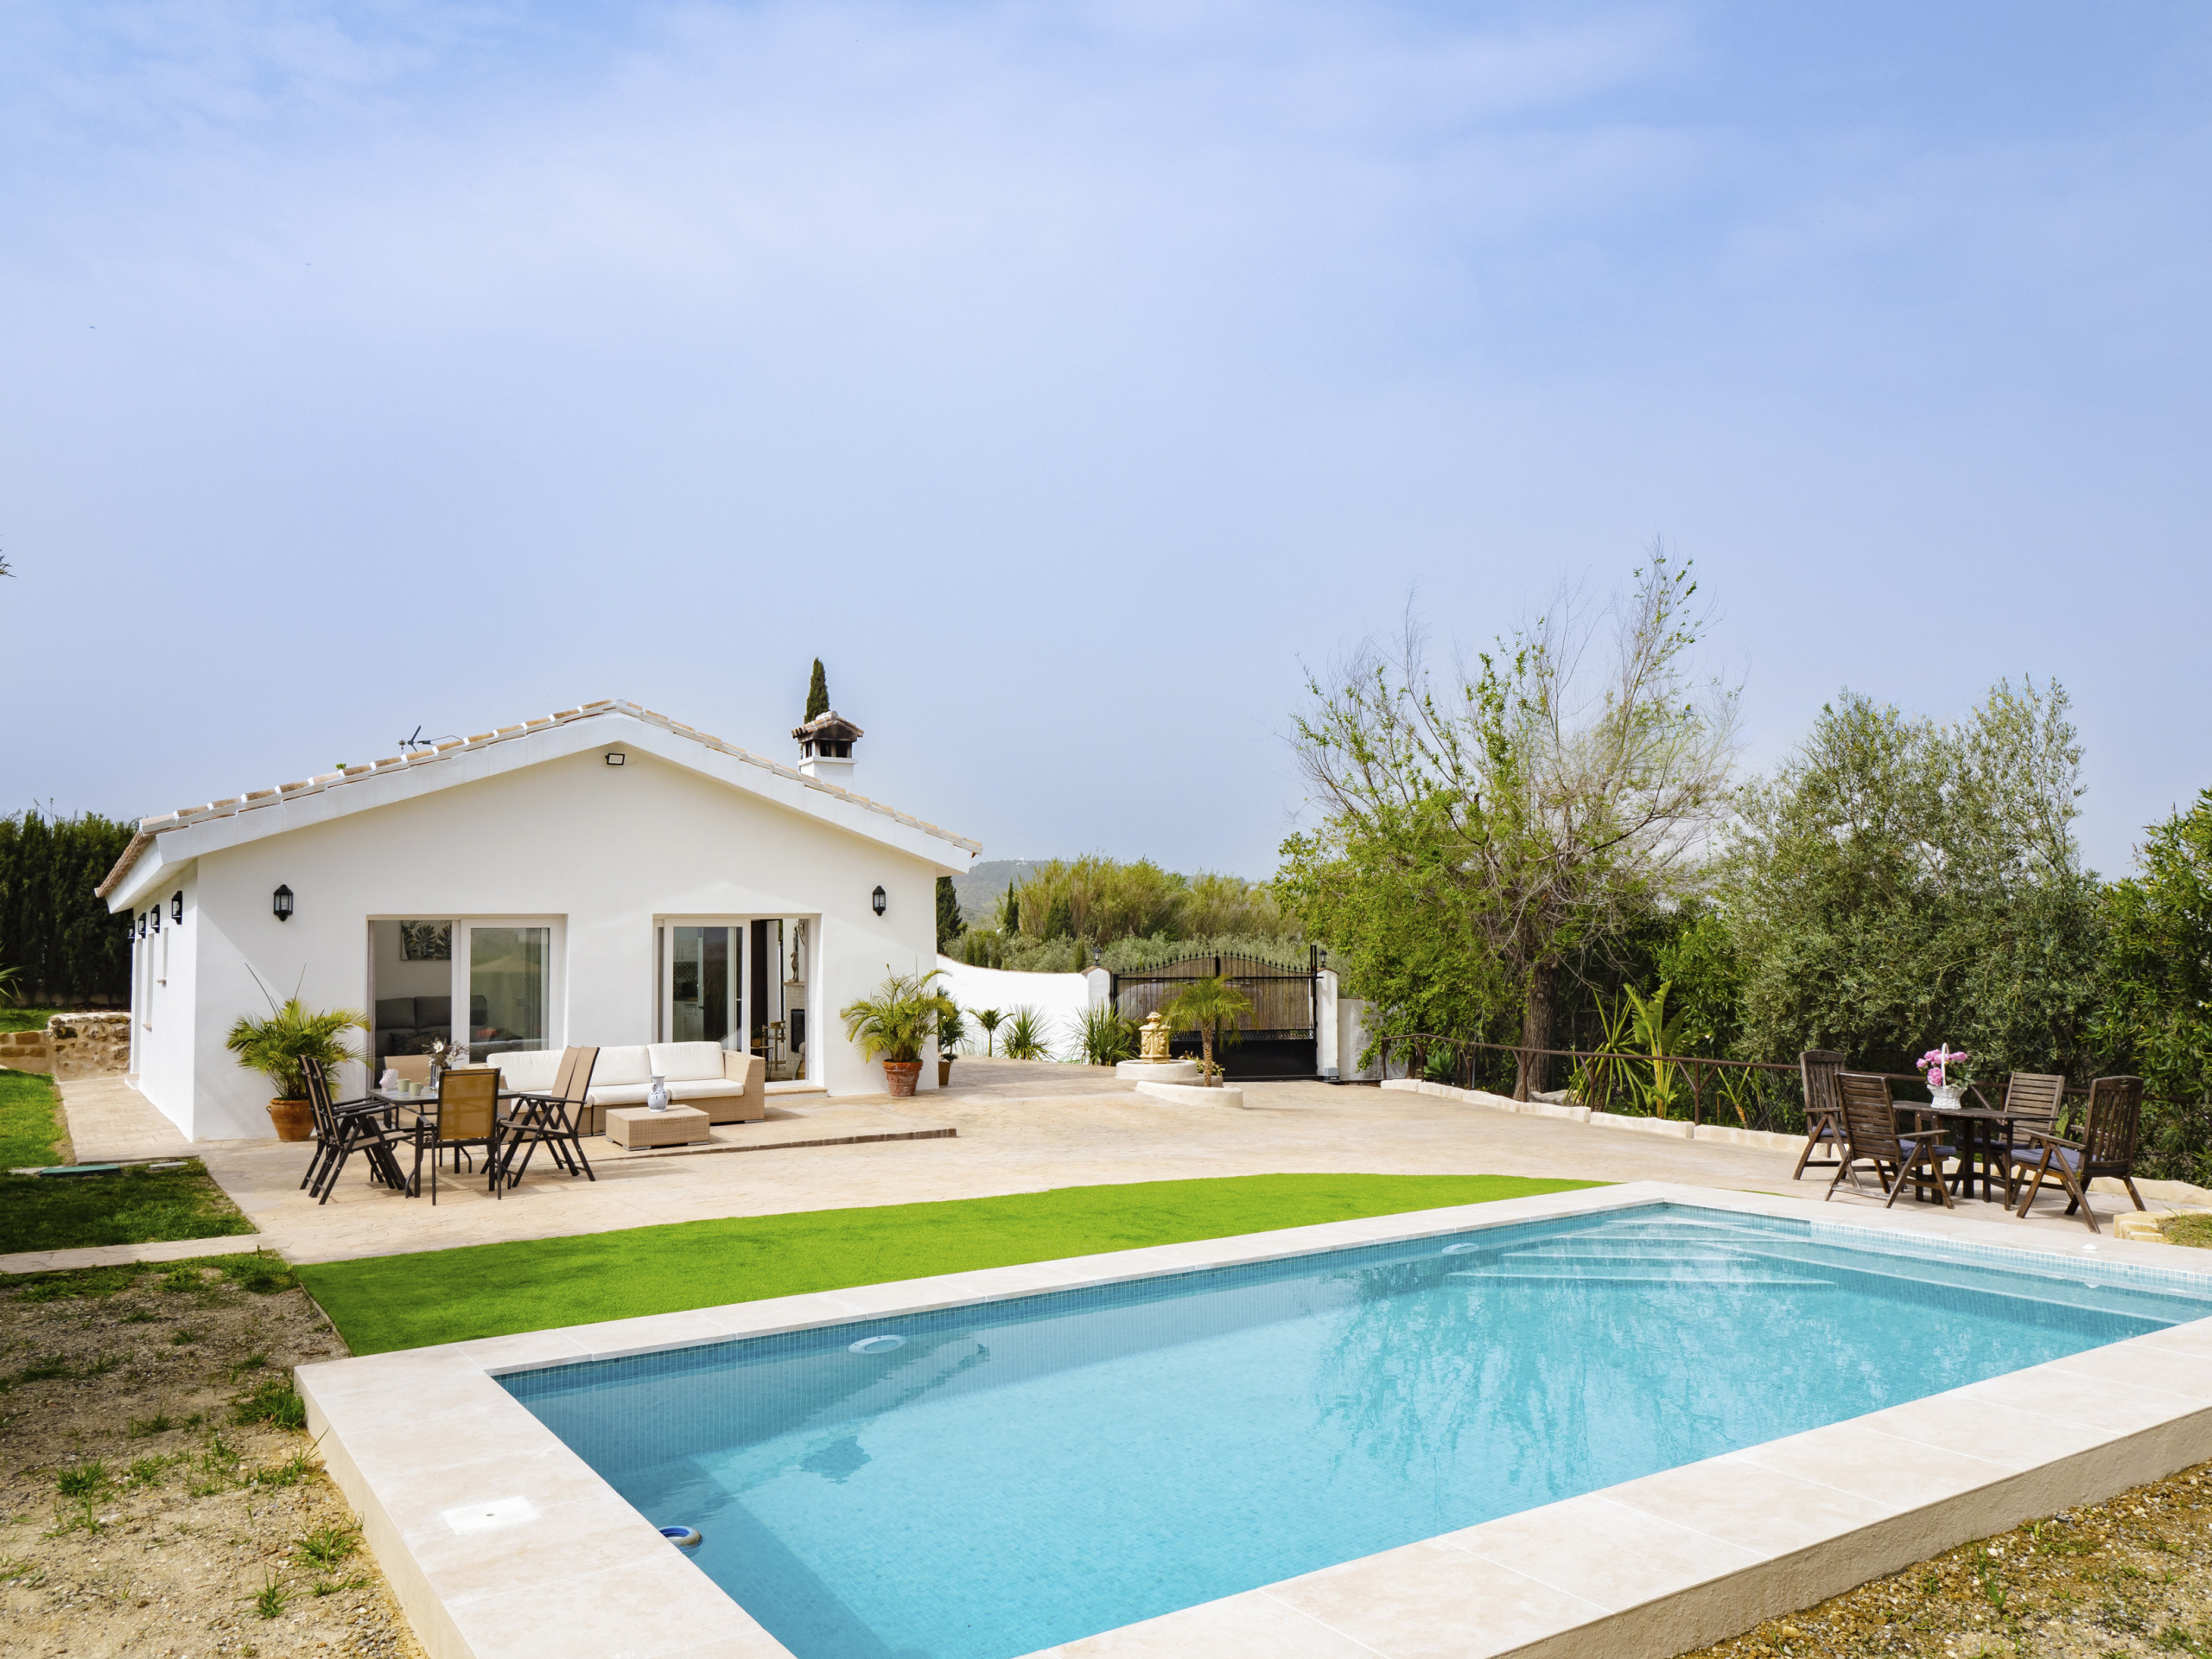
x=1070 y=378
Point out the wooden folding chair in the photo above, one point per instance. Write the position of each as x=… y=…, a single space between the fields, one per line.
x=1823 y=1108
x=2110 y=1132
x=1870 y=1132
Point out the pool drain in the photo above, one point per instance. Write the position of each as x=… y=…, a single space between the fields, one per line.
x=682 y=1537
x=882 y=1344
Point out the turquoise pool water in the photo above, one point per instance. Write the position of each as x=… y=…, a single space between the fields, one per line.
x=1003 y=1478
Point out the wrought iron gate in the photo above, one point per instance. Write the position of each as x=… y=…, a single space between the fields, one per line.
x=1276 y=1039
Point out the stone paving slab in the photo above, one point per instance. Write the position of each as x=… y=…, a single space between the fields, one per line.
x=116 y=1256
x=111 y=1122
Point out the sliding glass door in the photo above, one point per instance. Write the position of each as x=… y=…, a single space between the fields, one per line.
x=508 y=981
x=702 y=991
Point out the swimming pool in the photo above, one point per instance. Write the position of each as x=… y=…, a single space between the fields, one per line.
x=1012 y=1475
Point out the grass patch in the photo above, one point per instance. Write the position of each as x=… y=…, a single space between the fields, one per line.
x=489 y=1290
x=262 y=1274
x=2187 y=1229
x=136 y=1206
x=31 y=1119
x=13 y=1019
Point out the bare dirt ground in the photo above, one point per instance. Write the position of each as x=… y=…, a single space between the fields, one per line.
x=152 y=1499
x=2130 y=1576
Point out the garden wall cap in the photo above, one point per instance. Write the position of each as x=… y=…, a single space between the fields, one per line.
x=252 y=800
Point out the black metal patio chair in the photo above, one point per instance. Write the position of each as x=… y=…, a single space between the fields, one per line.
x=343 y=1127
x=552 y=1120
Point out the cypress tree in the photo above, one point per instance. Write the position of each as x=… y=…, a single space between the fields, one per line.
x=817 y=692
x=1013 y=925
x=949 y=924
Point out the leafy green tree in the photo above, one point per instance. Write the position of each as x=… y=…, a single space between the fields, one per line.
x=1010 y=912
x=1059 y=919
x=1901 y=882
x=2156 y=979
x=1492 y=830
x=949 y=924
x=817 y=692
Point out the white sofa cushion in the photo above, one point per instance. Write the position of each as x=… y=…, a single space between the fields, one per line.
x=633 y=1094
x=532 y=1069
x=618 y=1066
x=686 y=1062
x=704 y=1089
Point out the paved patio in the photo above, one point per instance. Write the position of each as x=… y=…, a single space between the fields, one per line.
x=1017 y=1128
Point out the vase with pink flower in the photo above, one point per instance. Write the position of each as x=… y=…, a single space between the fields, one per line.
x=1945 y=1068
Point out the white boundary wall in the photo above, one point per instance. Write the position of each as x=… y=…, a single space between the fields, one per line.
x=1062 y=998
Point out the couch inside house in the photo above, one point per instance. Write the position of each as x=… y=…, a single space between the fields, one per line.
x=408 y=1025
x=730 y=1087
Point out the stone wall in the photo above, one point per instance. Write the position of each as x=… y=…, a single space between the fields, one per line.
x=90 y=1044
x=26 y=1051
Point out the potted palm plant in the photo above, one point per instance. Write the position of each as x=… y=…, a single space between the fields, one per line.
x=1203 y=1005
x=897 y=1022
x=275 y=1046
x=951 y=1032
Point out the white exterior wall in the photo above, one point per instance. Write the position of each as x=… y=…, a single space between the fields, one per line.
x=1062 y=998
x=599 y=851
x=164 y=1033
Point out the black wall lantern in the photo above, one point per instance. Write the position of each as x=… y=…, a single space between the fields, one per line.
x=176 y=906
x=879 y=901
x=281 y=902
x=142 y=924
x=156 y=915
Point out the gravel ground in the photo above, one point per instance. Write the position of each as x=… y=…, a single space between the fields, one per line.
x=2133 y=1576
x=153 y=1500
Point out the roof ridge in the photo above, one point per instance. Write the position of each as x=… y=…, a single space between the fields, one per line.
x=252 y=800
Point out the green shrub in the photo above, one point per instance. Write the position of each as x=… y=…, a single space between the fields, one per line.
x=1105 y=1036
x=1027 y=1035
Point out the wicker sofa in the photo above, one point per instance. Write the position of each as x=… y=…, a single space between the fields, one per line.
x=730 y=1087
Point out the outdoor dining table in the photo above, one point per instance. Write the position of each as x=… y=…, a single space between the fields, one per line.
x=427 y=1101
x=1985 y=1135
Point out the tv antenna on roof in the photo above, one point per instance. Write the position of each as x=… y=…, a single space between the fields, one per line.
x=409 y=745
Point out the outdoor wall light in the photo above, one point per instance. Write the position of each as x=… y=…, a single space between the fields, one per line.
x=176 y=906
x=879 y=901
x=155 y=913
x=280 y=903
x=615 y=757
x=142 y=924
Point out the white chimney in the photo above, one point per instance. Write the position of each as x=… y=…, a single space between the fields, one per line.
x=826 y=748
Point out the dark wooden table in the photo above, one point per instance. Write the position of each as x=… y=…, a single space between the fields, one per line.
x=1984 y=1136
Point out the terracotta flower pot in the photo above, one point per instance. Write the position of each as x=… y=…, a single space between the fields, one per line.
x=294 y=1119
x=902 y=1076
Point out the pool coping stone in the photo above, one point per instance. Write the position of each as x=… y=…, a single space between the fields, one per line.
x=517 y=1549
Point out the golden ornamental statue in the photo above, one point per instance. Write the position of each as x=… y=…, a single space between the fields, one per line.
x=1154 y=1040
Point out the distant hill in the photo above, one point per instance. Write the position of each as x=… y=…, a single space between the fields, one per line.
x=980 y=890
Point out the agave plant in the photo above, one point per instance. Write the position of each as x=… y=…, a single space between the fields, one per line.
x=293 y=1033
x=898 y=1019
x=1203 y=1005
x=1027 y=1034
x=1105 y=1035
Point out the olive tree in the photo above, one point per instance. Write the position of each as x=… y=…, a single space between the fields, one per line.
x=1899 y=882
x=1475 y=835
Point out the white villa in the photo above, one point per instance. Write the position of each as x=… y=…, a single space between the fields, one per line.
x=605 y=876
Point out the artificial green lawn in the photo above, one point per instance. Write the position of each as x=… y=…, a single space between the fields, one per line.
x=136 y=1206
x=30 y=1121
x=489 y=1290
